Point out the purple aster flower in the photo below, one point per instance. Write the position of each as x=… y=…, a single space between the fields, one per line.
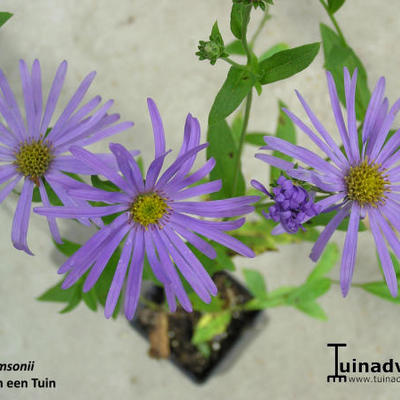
x=33 y=152
x=155 y=219
x=293 y=204
x=362 y=179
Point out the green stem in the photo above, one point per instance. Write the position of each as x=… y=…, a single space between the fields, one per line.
x=334 y=22
x=236 y=65
x=245 y=22
x=241 y=140
x=260 y=27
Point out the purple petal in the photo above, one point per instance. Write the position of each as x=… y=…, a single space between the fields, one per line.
x=134 y=276
x=177 y=183
x=350 y=249
x=341 y=159
x=7 y=172
x=260 y=187
x=74 y=212
x=154 y=261
x=275 y=161
x=72 y=105
x=192 y=262
x=213 y=234
x=373 y=108
x=350 y=93
x=21 y=218
x=81 y=130
x=12 y=105
x=119 y=276
x=6 y=190
x=199 y=190
x=196 y=241
x=301 y=154
x=185 y=269
x=98 y=165
x=53 y=96
x=129 y=168
x=98 y=134
x=177 y=164
x=190 y=141
x=337 y=112
x=36 y=79
x=158 y=129
x=95 y=194
x=170 y=271
x=327 y=233
x=50 y=220
x=104 y=256
x=154 y=171
x=382 y=134
x=218 y=208
x=384 y=256
x=87 y=254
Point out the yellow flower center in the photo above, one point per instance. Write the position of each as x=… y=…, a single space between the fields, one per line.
x=33 y=158
x=148 y=209
x=366 y=184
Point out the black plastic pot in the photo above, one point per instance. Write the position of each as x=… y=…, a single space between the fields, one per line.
x=225 y=348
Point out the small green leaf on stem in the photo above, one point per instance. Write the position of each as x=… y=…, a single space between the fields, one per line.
x=255 y=283
x=286 y=63
x=4 y=17
x=211 y=325
x=334 y=5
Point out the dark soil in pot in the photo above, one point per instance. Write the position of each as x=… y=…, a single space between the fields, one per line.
x=170 y=334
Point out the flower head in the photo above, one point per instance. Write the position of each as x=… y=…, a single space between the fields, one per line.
x=33 y=152
x=156 y=221
x=363 y=179
x=293 y=204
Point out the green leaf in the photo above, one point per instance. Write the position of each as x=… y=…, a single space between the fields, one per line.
x=216 y=34
x=36 y=195
x=71 y=296
x=273 y=50
x=90 y=299
x=262 y=304
x=105 y=185
x=255 y=283
x=381 y=290
x=236 y=87
x=309 y=291
x=256 y=138
x=236 y=128
x=240 y=15
x=56 y=294
x=328 y=260
x=222 y=148
x=68 y=248
x=235 y=47
x=286 y=63
x=334 y=5
x=337 y=56
x=211 y=325
x=285 y=130
x=312 y=309
x=4 y=17
x=74 y=300
x=214 y=306
x=205 y=349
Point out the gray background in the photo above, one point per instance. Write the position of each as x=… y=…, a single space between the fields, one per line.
x=146 y=48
